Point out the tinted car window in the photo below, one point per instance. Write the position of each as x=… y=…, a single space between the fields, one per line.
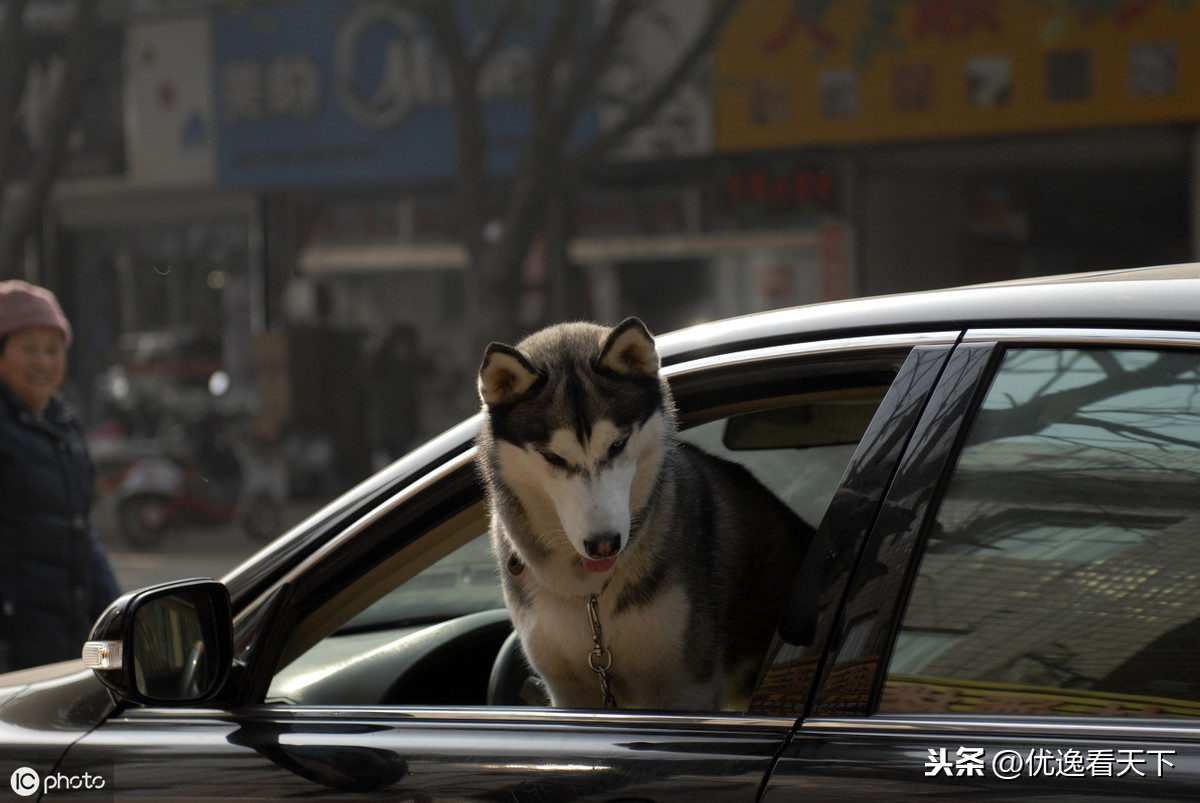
x=1061 y=574
x=798 y=451
x=462 y=582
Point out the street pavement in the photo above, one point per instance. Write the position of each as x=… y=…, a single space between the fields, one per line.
x=189 y=551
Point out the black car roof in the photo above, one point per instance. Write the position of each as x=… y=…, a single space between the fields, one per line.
x=1157 y=297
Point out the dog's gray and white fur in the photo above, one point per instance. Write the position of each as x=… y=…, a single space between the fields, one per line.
x=591 y=493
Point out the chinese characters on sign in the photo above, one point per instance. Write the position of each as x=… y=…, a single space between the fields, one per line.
x=1009 y=764
x=312 y=92
x=789 y=189
x=797 y=74
x=288 y=85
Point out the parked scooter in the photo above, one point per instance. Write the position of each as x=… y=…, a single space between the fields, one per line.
x=202 y=475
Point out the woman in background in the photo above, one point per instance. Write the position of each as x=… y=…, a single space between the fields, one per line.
x=54 y=576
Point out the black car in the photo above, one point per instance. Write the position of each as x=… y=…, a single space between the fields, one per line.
x=1003 y=596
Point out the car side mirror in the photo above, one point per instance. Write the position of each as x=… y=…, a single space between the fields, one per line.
x=169 y=644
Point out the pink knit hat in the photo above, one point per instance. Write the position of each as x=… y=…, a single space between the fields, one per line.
x=23 y=304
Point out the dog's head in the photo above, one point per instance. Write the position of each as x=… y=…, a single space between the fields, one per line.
x=577 y=418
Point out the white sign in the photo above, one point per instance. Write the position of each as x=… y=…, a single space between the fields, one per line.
x=171 y=126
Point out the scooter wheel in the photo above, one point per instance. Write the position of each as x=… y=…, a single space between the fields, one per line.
x=144 y=520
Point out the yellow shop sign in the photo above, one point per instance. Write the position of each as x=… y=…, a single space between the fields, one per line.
x=803 y=72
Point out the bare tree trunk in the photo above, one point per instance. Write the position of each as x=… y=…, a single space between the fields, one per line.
x=20 y=220
x=544 y=165
x=14 y=67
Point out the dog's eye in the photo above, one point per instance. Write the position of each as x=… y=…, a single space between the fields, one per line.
x=552 y=458
x=618 y=446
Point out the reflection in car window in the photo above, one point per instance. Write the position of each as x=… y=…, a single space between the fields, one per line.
x=463 y=582
x=800 y=451
x=1061 y=573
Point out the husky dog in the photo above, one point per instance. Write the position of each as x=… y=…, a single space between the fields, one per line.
x=600 y=514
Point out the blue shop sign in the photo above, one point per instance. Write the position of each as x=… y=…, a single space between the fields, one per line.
x=321 y=92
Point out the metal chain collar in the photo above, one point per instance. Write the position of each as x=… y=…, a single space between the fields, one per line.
x=600 y=659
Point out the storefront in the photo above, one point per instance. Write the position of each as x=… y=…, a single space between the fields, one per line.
x=159 y=268
x=164 y=285
x=281 y=172
x=984 y=140
x=1055 y=203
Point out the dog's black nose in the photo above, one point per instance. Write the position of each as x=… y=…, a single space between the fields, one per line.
x=602 y=545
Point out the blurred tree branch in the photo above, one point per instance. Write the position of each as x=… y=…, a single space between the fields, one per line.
x=21 y=213
x=14 y=66
x=567 y=68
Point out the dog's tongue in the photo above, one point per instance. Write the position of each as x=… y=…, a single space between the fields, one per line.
x=599 y=565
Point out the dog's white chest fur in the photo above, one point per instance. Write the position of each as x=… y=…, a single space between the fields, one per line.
x=646 y=643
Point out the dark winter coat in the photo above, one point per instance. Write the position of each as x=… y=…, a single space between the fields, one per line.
x=54 y=577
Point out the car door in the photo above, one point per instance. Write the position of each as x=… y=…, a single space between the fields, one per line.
x=409 y=723
x=1023 y=620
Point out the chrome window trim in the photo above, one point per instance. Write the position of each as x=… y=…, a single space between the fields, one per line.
x=1084 y=336
x=811 y=348
x=462 y=433
x=474 y=715
x=1057 y=727
x=380 y=511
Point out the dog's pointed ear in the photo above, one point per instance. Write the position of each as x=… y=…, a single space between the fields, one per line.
x=505 y=375
x=629 y=350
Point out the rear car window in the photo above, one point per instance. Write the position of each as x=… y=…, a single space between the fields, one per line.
x=1062 y=574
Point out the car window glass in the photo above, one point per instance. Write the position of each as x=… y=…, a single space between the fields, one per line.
x=462 y=582
x=1060 y=576
x=798 y=447
x=798 y=451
